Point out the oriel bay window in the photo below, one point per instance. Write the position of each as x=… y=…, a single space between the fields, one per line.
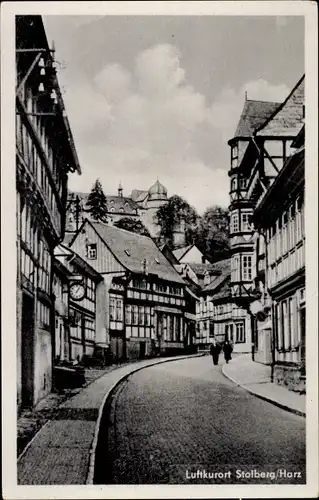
x=246 y=267
x=246 y=224
x=242 y=183
x=234 y=156
x=234 y=222
x=233 y=185
x=235 y=274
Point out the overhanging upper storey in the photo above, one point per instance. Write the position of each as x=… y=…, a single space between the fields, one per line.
x=38 y=94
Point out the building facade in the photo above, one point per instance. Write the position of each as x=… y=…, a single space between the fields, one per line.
x=145 y=296
x=80 y=293
x=279 y=217
x=219 y=317
x=45 y=154
x=263 y=255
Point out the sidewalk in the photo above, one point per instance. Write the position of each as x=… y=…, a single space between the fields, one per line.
x=30 y=421
x=255 y=378
x=63 y=451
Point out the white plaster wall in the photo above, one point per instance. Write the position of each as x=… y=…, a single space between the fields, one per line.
x=194 y=255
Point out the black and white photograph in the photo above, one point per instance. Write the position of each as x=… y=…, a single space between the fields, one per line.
x=159 y=206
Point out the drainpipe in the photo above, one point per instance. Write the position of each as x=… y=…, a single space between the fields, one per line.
x=252 y=328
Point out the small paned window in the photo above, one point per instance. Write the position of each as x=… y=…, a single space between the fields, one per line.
x=91 y=251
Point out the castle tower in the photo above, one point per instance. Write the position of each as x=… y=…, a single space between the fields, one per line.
x=179 y=236
x=120 y=190
x=157 y=197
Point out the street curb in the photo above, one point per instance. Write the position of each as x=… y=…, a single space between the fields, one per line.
x=90 y=475
x=265 y=398
x=23 y=452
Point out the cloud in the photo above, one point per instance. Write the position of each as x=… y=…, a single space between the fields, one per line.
x=158 y=70
x=138 y=125
x=113 y=82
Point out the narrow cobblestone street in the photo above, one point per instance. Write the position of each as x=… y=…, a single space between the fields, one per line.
x=169 y=421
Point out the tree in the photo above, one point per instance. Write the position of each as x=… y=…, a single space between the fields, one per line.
x=213 y=233
x=170 y=216
x=96 y=203
x=132 y=225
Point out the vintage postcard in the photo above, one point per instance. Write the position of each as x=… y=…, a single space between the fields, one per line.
x=159 y=229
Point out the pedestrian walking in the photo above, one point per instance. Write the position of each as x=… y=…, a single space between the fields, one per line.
x=228 y=349
x=214 y=351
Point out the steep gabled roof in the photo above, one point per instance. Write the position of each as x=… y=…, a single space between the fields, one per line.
x=131 y=249
x=63 y=254
x=253 y=116
x=200 y=269
x=282 y=123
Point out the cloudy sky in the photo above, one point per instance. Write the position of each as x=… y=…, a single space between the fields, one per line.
x=158 y=97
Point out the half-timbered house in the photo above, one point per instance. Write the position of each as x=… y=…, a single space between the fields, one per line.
x=218 y=316
x=271 y=131
x=280 y=273
x=145 y=299
x=83 y=289
x=45 y=154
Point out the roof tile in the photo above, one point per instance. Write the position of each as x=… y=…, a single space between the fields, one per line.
x=131 y=249
x=253 y=116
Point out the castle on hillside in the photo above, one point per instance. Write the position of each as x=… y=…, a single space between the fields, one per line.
x=140 y=205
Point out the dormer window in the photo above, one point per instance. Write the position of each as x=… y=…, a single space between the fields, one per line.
x=121 y=209
x=126 y=203
x=112 y=209
x=91 y=251
x=112 y=202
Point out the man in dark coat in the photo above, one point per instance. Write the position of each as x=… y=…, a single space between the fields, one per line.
x=214 y=351
x=228 y=349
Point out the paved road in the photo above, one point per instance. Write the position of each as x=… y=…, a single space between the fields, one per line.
x=181 y=421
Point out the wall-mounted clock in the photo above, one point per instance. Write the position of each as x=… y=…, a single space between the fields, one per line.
x=77 y=291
